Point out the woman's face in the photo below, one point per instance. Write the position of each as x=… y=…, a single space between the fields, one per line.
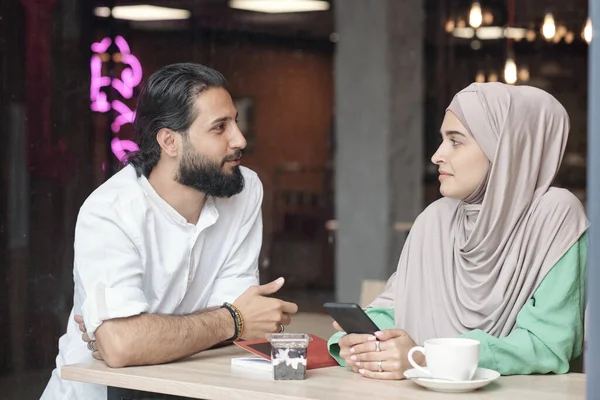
x=461 y=162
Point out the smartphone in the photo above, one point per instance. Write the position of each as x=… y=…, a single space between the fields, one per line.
x=351 y=317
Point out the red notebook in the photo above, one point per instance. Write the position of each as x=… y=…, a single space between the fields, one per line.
x=317 y=354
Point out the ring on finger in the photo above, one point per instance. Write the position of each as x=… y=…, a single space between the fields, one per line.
x=377 y=348
x=380 y=366
x=90 y=345
x=281 y=328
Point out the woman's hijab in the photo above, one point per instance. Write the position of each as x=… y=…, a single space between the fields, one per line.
x=472 y=264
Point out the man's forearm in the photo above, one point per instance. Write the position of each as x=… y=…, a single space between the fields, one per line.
x=149 y=339
x=205 y=310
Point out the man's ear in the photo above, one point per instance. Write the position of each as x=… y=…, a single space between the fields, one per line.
x=168 y=142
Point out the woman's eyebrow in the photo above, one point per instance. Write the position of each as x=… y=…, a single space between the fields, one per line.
x=452 y=133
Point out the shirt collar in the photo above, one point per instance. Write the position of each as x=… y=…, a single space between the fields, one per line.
x=208 y=215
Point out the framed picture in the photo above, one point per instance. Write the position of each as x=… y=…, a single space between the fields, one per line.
x=245 y=108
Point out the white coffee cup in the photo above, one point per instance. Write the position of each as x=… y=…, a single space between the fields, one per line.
x=452 y=358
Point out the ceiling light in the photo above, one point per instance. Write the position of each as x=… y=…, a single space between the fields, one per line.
x=587 y=31
x=488 y=18
x=103 y=12
x=464 y=33
x=515 y=33
x=143 y=12
x=510 y=71
x=569 y=37
x=490 y=32
x=480 y=77
x=279 y=6
x=523 y=74
x=530 y=35
x=549 y=28
x=475 y=16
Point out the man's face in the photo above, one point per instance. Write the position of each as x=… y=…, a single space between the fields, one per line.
x=212 y=149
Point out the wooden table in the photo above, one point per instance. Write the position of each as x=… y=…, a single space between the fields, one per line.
x=209 y=375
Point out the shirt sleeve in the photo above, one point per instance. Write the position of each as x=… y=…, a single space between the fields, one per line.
x=549 y=329
x=240 y=271
x=108 y=270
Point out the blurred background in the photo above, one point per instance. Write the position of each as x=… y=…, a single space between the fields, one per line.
x=340 y=101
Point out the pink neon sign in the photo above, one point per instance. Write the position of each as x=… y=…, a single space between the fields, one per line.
x=129 y=79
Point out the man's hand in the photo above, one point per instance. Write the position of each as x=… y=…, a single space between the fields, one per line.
x=89 y=342
x=263 y=314
x=394 y=345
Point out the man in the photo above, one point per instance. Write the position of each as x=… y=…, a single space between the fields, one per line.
x=166 y=251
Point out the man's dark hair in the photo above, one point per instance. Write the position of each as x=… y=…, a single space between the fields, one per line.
x=167 y=101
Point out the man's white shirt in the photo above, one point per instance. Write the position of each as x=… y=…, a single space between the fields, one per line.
x=135 y=254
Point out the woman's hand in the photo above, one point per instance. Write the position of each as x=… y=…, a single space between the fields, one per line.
x=349 y=341
x=383 y=357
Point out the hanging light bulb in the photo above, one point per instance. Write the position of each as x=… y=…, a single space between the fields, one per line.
x=524 y=74
x=561 y=31
x=475 y=16
x=587 y=31
x=461 y=23
x=549 y=28
x=569 y=37
x=488 y=18
x=530 y=36
x=493 y=77
x=510 y=71
x=450 y=26
x=480 y=77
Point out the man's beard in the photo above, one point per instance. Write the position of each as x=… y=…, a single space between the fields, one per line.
x=199 y=172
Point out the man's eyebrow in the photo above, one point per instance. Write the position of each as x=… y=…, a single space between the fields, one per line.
x=224 y=119
x=221 y=119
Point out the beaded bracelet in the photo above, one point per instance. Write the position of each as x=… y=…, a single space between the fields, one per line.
x=237 y=319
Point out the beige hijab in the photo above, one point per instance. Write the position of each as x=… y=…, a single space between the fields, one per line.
x=473 y=264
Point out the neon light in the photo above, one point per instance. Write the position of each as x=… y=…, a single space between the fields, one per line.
x=99 y=102
x=97 y=82
x=126 y=116
x=122 y=45
x=120 y=148
x=102 y=46
x=129 y=79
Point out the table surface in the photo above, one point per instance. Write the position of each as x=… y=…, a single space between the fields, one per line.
x=209 y=375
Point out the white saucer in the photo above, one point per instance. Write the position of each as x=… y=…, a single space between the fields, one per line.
x=481 y=378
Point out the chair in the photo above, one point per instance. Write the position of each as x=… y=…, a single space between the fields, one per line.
x=298 y=245
x=371 y=288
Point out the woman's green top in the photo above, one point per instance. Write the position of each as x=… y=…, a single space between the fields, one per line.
x=549 y=331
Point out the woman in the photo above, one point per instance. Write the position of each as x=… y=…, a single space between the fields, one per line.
x=500 y=258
